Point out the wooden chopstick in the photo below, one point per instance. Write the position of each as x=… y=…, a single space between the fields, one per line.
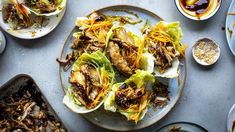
x=231 y=13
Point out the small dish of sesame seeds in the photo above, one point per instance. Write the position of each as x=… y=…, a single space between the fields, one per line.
x=206 y=52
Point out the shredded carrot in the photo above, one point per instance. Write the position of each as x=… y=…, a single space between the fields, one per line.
x=97 y=29
x=102 y=92
x=137 y=109
x=158 y=34
x=20 y=9
x=139 y=53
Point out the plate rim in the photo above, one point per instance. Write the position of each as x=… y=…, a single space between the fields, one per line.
x=183 y=79
x=31 y=38
x=226 y=26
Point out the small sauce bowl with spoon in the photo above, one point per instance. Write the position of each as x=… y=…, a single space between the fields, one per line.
x=198 y=9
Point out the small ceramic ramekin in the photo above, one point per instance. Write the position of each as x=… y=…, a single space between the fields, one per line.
x=201 y=61
x=189 y=14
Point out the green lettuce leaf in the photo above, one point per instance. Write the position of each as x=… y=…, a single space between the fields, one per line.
x=173 y=29
x=174 y=34
x=98 y=60
x=147 y=64
x=140 y=78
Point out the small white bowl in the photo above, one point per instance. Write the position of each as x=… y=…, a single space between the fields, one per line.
x=202 y=62
x=212 y=9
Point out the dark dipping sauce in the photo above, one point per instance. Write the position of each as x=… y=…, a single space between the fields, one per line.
x=198 y=7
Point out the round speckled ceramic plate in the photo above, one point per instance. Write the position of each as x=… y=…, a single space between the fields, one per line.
x=115 y=121
x=32 y=32
x=182 y=127
x=230 y=28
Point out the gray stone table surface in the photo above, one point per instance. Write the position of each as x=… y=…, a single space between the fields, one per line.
x=207 y=97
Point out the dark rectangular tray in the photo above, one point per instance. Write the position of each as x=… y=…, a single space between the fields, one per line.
x=14 y=84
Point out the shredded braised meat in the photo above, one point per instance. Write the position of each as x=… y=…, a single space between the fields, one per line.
x=86 y=43
x=41 y=7
x=86 y=84
x=25 y=110
x=128 y=95
x=160 y=95
x=19 y=18
x=91 y=37
x=10 y=15
x=164 y=54
x=175 y=129
x=93 y=32
x=69 y=60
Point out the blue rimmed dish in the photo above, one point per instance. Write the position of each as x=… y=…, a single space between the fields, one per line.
x=230 y=27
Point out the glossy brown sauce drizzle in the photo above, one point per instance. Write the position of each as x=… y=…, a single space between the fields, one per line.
x=199 y=7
